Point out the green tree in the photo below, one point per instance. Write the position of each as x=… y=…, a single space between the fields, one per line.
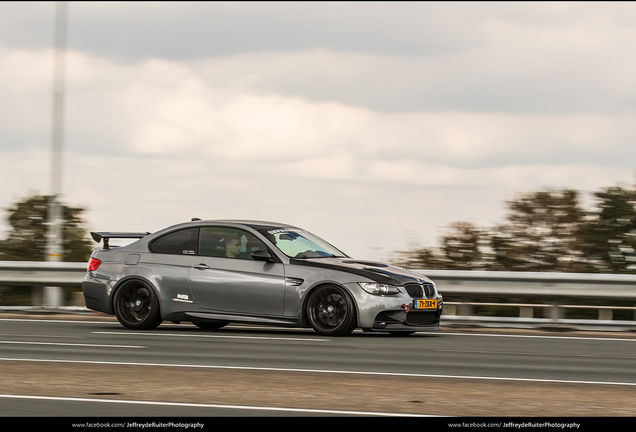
x=461 y=249
x=421 y=258
x=543 y=231
x=608 y=238
x=27 y=238
x=540 y=233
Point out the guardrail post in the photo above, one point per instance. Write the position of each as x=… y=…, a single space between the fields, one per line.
x=526 y=312
x=464 y=310
x=555 y=312
x=605 y=314
x=36 y=295
x=449 y=309
x=52 y=296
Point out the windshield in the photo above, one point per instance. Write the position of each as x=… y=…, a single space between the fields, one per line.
x=297 y=243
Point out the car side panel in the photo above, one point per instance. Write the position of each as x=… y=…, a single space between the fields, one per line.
x=238 y=285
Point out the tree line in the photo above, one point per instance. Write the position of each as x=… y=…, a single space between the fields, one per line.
x=544 y=231
x=27 y=237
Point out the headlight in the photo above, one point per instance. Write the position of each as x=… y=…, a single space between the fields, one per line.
x=379 y=289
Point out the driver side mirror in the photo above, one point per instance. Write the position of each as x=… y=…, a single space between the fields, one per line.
x=263 y=255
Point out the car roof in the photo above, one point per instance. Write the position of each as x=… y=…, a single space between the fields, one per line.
x=251 y=223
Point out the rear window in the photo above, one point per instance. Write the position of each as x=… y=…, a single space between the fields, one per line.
x=183 y=242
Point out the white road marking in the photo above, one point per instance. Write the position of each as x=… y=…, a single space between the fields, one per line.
x=325 y=371
x=60 y=321
x=536 y=354
x=543 y=337
x=41 y=336
x=71 y=344
x=202 y=405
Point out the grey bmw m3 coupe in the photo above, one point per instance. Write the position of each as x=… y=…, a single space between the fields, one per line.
x=213 y=273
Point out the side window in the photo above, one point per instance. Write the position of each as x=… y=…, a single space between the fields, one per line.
x=183 y=242
x=228 y=243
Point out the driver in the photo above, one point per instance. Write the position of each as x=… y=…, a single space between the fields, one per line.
x=233 y=246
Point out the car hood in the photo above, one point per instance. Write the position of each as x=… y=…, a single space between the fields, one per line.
x=377 y=272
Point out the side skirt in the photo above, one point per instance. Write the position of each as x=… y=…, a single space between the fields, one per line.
x=245 y=319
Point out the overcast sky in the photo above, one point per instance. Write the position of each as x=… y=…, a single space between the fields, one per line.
x=373 y=125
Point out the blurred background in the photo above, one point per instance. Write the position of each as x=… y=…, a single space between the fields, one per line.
x=493 y=136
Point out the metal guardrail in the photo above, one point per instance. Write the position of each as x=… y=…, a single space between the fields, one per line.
x=529 y=292
x=464 y=292
x=531 y=284
x=37 y=273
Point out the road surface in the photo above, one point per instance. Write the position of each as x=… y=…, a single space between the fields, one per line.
x=53 y=365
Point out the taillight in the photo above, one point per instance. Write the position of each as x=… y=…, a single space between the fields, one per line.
x=93 y=264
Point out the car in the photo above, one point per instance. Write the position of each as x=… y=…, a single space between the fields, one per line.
x=216 y=272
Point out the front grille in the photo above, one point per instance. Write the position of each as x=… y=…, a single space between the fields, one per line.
x=420 y=318
x=420 y=290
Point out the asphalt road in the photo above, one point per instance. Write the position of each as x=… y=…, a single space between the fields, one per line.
x=93 y=367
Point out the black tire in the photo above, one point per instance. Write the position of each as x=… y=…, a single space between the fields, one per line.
x=330 y=311
x=136 y=306
x=209 y=325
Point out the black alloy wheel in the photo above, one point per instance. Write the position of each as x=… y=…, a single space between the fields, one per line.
x=136 y=306
x=330 y=311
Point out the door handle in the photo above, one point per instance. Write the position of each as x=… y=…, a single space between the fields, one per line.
x=201 y=266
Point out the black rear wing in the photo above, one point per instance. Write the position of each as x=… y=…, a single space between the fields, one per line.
x=99 y=236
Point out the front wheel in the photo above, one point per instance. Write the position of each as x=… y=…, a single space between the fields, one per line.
x=136 y=306
x=330 y=311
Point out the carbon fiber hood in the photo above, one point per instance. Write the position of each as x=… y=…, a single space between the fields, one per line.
x=377 y=272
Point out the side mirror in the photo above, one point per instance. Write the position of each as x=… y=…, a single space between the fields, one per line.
x=262 y=255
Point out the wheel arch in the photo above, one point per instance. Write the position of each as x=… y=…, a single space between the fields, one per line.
x=347 y=291
x=134 y=278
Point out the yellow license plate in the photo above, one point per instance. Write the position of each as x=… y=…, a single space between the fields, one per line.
x=425 y=304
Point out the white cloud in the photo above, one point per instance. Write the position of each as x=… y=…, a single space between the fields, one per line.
x=372 y=149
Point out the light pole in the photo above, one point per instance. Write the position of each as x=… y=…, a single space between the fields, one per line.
x=52 y=296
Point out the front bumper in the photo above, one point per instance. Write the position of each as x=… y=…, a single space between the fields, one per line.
x=406 y=321
x=394 y=313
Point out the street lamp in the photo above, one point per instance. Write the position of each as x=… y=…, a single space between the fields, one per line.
x=52 y=296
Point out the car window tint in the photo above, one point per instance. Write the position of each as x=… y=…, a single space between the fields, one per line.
x=297 y=243
x=183 y=242
x=228 y=243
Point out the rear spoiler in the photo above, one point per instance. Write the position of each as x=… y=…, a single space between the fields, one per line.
x=99 y=236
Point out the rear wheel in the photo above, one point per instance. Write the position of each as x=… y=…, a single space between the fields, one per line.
x=136 y=306
x=330 y=311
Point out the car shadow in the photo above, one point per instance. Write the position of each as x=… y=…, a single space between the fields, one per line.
x=256 y=329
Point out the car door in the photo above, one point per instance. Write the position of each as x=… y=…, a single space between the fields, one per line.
x=225 y=278
x=168 y=262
